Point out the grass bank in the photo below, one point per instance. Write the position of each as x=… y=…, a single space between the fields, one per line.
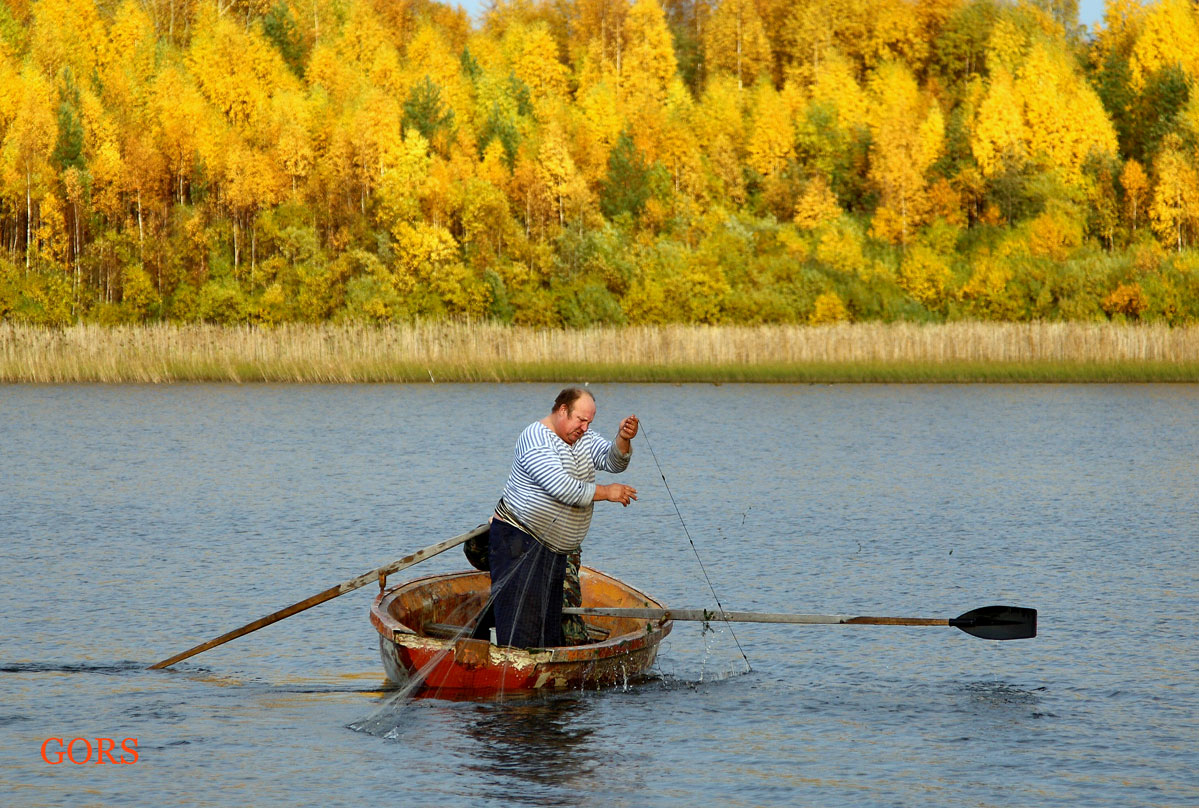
x=457 y=352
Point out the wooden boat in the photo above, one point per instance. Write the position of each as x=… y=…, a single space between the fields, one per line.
x=424 y=642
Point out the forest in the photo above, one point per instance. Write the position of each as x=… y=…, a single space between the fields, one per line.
x=597 y=163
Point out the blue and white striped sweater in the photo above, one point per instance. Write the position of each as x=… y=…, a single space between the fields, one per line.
x=552 y=484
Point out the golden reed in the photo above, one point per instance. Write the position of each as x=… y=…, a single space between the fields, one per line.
x=491 y=352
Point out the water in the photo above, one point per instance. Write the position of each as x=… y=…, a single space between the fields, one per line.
x=139 y=521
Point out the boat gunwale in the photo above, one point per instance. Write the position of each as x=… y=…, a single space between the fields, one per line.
x=396 y=631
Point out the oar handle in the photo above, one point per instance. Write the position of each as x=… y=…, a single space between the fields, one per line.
x=330 y=593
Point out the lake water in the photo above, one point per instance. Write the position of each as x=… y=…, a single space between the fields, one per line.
x=139 y=521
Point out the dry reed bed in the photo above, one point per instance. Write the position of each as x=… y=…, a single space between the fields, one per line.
x=484 y=351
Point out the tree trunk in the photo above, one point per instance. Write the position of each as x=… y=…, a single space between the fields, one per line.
x=141 y=233
x=75 y=249
x=739 y=83
x=28 y=218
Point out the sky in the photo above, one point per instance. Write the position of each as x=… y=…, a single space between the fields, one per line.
x=1090 y=12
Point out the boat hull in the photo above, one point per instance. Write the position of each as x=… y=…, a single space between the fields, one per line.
x=461 y=667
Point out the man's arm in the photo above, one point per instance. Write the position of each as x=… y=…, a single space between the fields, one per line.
x=618 y=492
x=613 y=455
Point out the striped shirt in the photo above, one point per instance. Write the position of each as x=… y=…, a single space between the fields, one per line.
x=552 y=484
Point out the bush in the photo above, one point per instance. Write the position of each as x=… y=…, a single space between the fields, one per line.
x=1127 y=299
x=829 y=309
x=222 y=302
x=138 y=294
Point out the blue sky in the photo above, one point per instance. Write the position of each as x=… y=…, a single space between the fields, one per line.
x=1090 y=12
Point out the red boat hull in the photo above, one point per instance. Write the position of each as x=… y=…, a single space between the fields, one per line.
x=460 y=667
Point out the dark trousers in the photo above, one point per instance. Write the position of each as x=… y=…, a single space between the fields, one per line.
x=526 y=588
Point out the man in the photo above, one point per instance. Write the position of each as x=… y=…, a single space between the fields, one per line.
x=545 y=512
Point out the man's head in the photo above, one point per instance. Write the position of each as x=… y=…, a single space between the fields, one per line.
x=574 y=410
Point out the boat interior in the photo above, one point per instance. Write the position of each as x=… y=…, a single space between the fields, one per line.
x=444 y=606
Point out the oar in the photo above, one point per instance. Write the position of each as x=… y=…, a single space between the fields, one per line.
x=989 y=622
x=330 y=593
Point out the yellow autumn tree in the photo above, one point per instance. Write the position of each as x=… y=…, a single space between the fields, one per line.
x=895 y=34
x=430 y=55
x=363 y=44
x=404 y=173
x=679 y=150
x=1175 y=206
x=236 y=70
x=371 y=125
x=105 y=163
x=986 y=294
x=649 y=67
x=68 y=34
x=252 y=182
x=599 y=39
x=52 y=241
x=1168 y=36
x=831 y=125
x=908 y=133
x=142 y=179
x=736 y=42
x=828 y=309
x=292 y=121
x=598 y=126
x=129 y=71
x=1135 y=183
x=836 y=88
x=998 y=139
x=817 y=205
x=806 y=34
x=563 y=185
x=26 y=147
x=532 y=56
x=180 y=120
x=1007 y=44
x=1065 y=122
x=772 y=138
x=926 y=276
x=720 y=128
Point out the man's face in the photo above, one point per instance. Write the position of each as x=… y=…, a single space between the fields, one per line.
x=575 y=421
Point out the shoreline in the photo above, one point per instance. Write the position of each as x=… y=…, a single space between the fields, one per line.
x=898 y=353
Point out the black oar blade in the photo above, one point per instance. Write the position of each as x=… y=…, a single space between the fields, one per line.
x=998 y=623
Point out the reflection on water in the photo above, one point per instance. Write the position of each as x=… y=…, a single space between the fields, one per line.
x=997 y=693
x=115 y=668
x=543 y=741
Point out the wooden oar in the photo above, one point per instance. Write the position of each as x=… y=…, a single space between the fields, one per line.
x=330 y=593
x=989 y=622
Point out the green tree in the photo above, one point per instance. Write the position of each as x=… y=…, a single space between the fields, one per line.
x=626 y=187
x=425 y=112
x=279 y=26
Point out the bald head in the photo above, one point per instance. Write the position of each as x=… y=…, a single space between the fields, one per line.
x=574 y=410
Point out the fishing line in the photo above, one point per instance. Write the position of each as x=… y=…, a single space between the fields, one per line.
x=703 y=569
